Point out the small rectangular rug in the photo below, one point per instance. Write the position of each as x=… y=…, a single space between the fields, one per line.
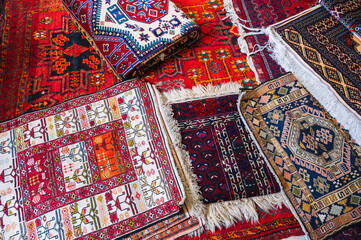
x=95 y=166
x=227 y=168
x=326 y=57
x=261 y=14
x=317 y=162
x=214 y=59
x=44 y=59
x=348 y=12
x=134 y=35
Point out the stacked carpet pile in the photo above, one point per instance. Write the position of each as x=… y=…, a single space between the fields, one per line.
x=180 y=119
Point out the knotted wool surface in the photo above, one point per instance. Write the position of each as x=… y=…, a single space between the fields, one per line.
x=215 y=59
x=326 y=46
x=317 y=163
x=45 y=60
x=261 y=14
x=91 y=167
x=135 y=35
x=225 y=159
x=348 y=12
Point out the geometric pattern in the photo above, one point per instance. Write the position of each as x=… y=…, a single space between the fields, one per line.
x=273 y=224
x=347 y=12
x=310 y=36
x=261 y=14
x=317 y=162
x=214 y=59
x=49 y=63
x=175 y=226
x=225 y=160
x=92 y=167
x=133 y=34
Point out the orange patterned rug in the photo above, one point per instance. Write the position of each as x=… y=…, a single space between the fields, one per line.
x=215 y=59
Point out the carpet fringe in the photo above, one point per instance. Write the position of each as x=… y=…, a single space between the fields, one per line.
x=201 y=91
x=318 y=88
x=282 y=54
x=241 y=25
x=193 y=194
x=225 y=214
x=214 y=215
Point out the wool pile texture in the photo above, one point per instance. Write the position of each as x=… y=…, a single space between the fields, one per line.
x=215 y=59
x=316 y=161
x=348 y=12
x=45 y=60
x=310 y=36
x=92 y=167
x=133 y=36
x=273 y=224
x=192 y=119
x=224 y=157
x=260 y=14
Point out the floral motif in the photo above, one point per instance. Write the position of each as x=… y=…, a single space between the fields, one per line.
x=222 y=54
x=143 y=4
x=194 y=73
x=321 y=185
x=215 y=4
x=208 y=15
x=205 y=56
x=144 y=37
x=97 y=80
x=193 y=15
x=276 y=116
x=40 y=34
x=46 y=20
x=239 y=65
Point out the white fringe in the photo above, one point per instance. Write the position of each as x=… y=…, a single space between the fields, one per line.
x=291 y=62
x=226 y=214
x=236 y=21
x=214 y=215
x=318 y=88
x=193 y=194
x=201 y=91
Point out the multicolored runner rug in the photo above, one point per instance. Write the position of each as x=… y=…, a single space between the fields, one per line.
x=273 y=224
x=95 y=166
x=319 y=42
x=45 y=60
x=317 y=163
x=227 y=168
x=171 y=228
x=134 y=35
x=348 y=12
x=261 y=14
x=214 y=59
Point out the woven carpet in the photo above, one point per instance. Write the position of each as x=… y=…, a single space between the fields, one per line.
x=214 y=59
x=317 y=163
x=348 y=12
x=273 y=224
x=170 y=228
x=261 y=14
x=44 y=59
x=327 y=47
x=134 y=35
x=224 y=158
x=95 y=166
x=223 y=169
